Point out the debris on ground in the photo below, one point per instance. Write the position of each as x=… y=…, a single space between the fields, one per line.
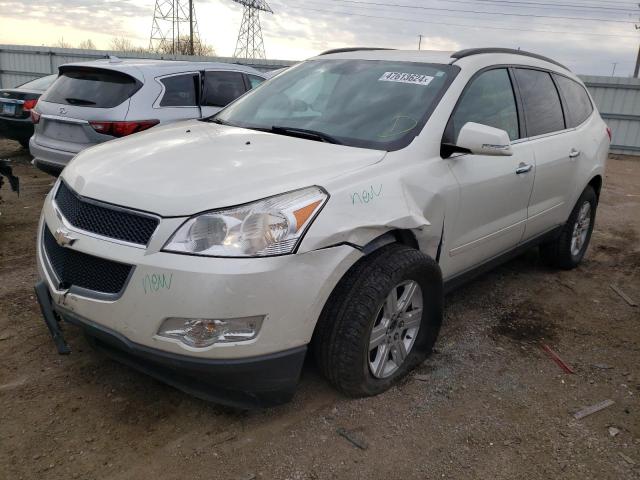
x=623 y=295
x=613 y=431
x=627 y=459
x=353 y=438
x=556 y=358
x=602 y=366
x=585 y=412
x=423 y=378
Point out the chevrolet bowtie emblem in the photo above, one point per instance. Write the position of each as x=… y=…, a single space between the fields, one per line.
x=64 y=237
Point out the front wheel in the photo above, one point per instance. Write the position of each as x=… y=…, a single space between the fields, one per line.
x=382 y=320
x=569 y=248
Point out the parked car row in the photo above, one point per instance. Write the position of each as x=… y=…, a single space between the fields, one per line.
x=93 y=102
x=326 y=211
x=16 y=105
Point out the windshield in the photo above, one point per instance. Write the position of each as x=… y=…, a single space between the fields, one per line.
x=363 y=103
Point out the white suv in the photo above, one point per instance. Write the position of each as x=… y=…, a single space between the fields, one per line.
x=328 y=210
x=93 y=102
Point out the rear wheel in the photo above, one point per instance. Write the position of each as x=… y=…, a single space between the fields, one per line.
x=568 y=250
x=382 y=320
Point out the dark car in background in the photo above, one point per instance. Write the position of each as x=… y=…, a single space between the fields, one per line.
x=15 y=108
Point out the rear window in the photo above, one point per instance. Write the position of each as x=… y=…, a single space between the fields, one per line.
x=91 y=88
x=180 y=91
x=39 y=83
x=542 y=107
x=578 y=103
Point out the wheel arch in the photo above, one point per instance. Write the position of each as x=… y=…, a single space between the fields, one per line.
x=596 y=184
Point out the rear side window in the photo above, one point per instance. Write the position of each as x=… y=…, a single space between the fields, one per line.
x=542 y=107
x=254 y=80
x=180 y=91
x=91 y=87
x=221 y=88
x=489 y=100
x=577 y=100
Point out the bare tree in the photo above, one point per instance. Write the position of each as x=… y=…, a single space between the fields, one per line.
x=60 y=43
x=87 y=44
x=122 y=44
x=183 y=47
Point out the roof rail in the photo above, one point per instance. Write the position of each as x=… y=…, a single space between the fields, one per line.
x=352 y=49
x=477 y=51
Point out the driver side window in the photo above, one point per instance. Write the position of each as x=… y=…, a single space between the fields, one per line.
x=489 y=100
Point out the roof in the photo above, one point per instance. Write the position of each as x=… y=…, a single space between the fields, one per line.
x=471 y=58
x=141 y=68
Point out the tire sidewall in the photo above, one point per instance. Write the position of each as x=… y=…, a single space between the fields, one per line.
x=430 y=282
x=587 y=196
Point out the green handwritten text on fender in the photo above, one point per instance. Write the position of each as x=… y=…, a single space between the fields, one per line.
x=156 y=282
x=367 y=195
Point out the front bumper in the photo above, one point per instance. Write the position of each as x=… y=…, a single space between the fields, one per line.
x=256 y=382
x=288 y=291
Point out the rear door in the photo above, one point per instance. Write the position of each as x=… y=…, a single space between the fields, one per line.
x=493 y=195
x=552 y=142
x=79 y=96
x=221 y=87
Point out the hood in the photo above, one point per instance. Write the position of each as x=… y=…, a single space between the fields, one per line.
x=189 y=167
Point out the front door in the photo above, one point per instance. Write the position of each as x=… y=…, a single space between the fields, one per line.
x=493 y=191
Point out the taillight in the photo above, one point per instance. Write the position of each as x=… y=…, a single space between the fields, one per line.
x=609 y=133
x=29 y=104
x=122 y=129
x=35 y=116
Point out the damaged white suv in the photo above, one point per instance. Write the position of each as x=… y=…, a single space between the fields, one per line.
x=327 y=210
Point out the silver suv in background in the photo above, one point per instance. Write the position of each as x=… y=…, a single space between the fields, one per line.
x=97 y=101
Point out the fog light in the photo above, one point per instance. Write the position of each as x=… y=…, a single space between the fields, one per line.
x=203 y=332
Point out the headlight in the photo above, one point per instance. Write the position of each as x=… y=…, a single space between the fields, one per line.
x=272 y=226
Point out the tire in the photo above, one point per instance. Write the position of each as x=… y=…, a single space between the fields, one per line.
x=359 y=302
x=563 y=252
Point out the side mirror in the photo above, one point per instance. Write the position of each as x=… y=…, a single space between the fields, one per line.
x=483 y=140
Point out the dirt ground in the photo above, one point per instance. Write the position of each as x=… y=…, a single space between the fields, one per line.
x=489 y=404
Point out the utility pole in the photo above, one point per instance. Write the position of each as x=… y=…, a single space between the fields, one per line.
x=191 y=27
x=419 y=42
x=637 y=70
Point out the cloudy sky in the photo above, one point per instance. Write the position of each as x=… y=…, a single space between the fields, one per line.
x=587 y=35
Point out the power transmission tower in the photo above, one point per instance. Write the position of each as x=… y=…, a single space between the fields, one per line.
x=250 y=44
x=174 y=29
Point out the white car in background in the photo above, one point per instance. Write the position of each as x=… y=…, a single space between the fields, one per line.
x=93 y=102
x=327 y=210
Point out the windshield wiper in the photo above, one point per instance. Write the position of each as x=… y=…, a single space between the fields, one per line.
x=304 y=133
x=79 y=101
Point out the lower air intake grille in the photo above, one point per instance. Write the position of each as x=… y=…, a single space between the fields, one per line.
x=73 y=268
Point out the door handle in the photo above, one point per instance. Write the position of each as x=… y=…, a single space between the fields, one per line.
x=574 y=153
x=524 y=168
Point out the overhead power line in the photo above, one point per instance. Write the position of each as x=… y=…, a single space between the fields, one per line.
x=476 y=12
x=529 y=4
x=475 y=26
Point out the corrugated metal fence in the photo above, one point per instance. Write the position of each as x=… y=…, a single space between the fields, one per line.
x=19 y=64
x=618 y=99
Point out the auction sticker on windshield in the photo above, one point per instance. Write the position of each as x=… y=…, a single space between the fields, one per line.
x=414 y=78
